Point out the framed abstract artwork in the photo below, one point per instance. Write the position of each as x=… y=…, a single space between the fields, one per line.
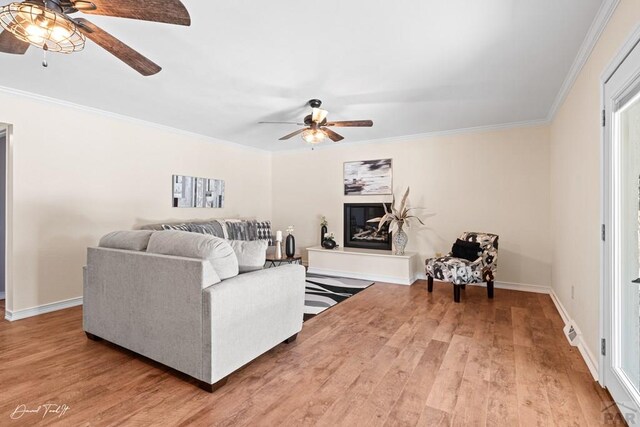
x=368 y=177
x=192 y=192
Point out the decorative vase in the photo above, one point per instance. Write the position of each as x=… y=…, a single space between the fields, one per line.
x=290 y=246
x=400 y=240
x=328 y=243
x=323 y=231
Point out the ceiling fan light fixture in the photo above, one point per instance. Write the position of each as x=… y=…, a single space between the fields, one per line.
x=42 y=27
x=318 y=115
x=313 y=136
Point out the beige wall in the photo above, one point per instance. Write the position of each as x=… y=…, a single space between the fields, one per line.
x=486 y=181
x=78 y=175
x=575 y=181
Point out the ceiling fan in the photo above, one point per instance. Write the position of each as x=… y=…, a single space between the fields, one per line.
x=317 y=127
x=47 y=25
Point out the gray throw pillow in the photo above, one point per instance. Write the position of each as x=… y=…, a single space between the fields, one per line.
x=130 y=240
x=192 y=245
x=251 y=254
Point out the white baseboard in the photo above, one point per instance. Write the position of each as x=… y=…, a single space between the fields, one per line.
x=42 y=309
x=372 y=277
x=2 y=295
x=589 y=358
x=538 y=289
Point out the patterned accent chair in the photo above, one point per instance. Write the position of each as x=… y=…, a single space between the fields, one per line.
x=460 y=272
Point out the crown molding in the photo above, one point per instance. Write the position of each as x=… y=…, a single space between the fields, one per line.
x=623 y=52
x=419 y=136
x=593 y=35
x=125 y=118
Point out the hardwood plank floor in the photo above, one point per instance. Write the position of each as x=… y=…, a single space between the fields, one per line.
x=391 y=355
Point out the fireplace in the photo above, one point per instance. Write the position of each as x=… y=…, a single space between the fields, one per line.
x=358 y=233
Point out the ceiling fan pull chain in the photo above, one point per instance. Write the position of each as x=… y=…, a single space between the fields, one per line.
x=45 y=64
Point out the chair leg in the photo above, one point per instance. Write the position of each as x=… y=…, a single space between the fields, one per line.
x=490 y=289
x=430 y=284
x=456 y=293
x=463 y=287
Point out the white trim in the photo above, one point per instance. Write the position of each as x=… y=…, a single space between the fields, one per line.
x=8 y=217
x=373 y=277
x=593 y=35
x=522 y=287
x=42 y=309
x=419 y=136
x=140 y=122
x=618 y=59
x=587 y=356
x=561 y=310
x=2 y=295
x=364 y=252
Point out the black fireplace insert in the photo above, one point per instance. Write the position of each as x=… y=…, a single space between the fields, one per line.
x=359 y=233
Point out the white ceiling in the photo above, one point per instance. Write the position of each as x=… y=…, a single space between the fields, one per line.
x=412 y=66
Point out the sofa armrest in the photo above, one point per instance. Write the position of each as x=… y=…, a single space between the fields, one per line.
x=148 y=303
x=249 y=314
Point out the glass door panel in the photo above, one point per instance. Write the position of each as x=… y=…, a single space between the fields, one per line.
x=627 y=283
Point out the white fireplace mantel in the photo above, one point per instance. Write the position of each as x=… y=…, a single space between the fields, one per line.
x=366 y=264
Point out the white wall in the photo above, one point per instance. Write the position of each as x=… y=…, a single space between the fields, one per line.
x=485 y=181
x=575 y=181
x=78 y=175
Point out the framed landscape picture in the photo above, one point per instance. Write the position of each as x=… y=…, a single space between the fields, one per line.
x=368 y=177
x=192 y=192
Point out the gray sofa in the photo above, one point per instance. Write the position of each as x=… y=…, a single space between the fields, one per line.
x=186 y=312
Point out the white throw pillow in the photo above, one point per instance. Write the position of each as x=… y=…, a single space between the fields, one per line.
x=251 y=254
x=193 y=245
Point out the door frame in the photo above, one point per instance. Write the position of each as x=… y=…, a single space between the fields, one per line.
x=8 y=225
x=606 y=202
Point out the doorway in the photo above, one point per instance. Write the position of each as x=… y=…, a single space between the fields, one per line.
x=620 y=359
x=3 y=194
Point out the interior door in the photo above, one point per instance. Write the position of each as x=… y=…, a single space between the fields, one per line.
x=621 y=348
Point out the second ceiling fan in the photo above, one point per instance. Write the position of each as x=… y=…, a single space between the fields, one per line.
x=317 y=128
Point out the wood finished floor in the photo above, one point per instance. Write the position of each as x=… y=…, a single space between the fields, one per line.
x=391 y=355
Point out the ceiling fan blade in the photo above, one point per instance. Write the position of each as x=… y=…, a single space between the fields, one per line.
x=167 y=11
x=11 y=44
x=332 y=135
x=120 y=50
x=352 y=124
x=291 y=135
x=281 y=123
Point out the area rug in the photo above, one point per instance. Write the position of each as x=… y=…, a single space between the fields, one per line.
x=323 y=292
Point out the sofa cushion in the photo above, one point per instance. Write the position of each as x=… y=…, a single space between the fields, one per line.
x=238 y=230
x=212 y=228
x=180 y=227
x=130 y=240
x=251 y=254
x=192 y=245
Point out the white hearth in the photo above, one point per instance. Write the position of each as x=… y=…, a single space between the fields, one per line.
x=367 y=264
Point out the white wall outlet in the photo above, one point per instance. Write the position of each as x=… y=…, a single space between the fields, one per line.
x=572 y=292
